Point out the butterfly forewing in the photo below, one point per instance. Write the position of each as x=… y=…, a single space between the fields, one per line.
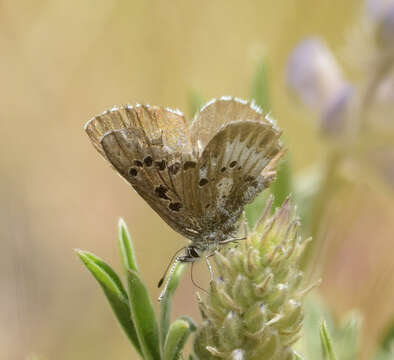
x=156 y=175
x=139 y=146
x=161 y=125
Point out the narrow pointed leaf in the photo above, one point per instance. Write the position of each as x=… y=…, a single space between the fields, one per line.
x=177 y=336
x=195 y=102
x=126 y=247
x=315 y=310
x=326 y=342
x=348 y=341
x=260 y=86
x=306 y=186
x=388 y=338
x=297 y=356
x=165 y=303
x=387 y=343
x=144 y=317
x=192 y=324
x=281 y=187
x=254 y=210
x=114 y=291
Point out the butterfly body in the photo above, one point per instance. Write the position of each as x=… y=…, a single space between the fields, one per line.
x=197 y=179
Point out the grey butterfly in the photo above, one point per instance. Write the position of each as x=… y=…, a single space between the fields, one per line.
x=198 y=178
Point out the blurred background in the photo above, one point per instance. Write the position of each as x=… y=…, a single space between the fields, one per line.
x=62 y=62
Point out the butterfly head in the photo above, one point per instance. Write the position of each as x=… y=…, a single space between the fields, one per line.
x=208 y=243
x=192 y=253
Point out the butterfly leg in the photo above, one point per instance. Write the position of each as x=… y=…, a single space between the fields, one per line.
x=232 y=240
x=246 y=232
x=245 y=224
x=209 y=264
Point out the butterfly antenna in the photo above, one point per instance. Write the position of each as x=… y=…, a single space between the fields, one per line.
x=160 y=283
x=194 y=283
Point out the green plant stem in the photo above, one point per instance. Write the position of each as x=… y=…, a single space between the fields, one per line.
x=322 y=199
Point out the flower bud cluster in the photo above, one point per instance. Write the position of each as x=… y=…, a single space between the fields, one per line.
x=254 y=308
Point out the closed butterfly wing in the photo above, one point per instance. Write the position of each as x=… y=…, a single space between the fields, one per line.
x=154 y=156
x=219 y=112
x=237 y=164
x=157 y=125
x=198 y=182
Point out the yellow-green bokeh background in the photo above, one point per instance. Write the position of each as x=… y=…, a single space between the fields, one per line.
x=64 y=61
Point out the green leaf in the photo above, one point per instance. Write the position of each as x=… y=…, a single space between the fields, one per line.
x=387 y=343
x=260 y=94
x=384 y=355
x=144 y=316
x=165 y=303
x=260 y=86
x=254 y=210
x=195 y=102
x=281 y=187
x=114 y=291
x=177 y=336
x=315 y=310
x=306 y=186
x=126 y=247
x=348 y=338
x=326 y=343
x=192 y=324
x=297 y=356
x=388 y=337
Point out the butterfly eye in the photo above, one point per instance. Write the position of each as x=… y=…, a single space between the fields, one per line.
x=193 y=252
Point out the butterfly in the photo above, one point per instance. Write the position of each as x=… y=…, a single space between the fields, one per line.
x=197 y=178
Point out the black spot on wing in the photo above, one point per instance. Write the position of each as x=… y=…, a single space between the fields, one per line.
x=160 y=164
x=189 y=165
x=174 y=168
x=175 y=206
x=161 y=191
x=148 y=161
x=133 y=172
x=203 y=182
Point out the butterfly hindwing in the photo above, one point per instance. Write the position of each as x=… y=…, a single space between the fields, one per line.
x=234 y=161
x=219 y=112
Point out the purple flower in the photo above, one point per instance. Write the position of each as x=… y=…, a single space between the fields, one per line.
x=313 y=74
x=377 y=8
x=334 y=118
x=385 y=30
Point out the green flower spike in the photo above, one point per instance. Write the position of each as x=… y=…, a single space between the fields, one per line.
x=254 y=308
